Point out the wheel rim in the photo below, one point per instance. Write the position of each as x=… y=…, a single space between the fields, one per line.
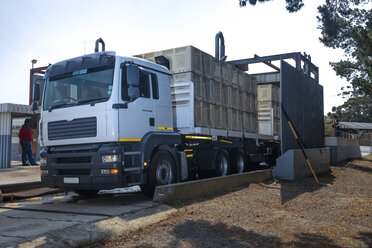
x=222 y=166
x=164 y=173
x=240 y=164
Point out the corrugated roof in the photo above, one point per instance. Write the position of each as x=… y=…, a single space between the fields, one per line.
x=15 y=108
x=356 y=125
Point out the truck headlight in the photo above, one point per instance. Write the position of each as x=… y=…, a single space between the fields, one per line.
x=110 y=158
x=42 y=160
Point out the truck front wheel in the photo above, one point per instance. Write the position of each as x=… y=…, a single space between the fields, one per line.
x=162 y=172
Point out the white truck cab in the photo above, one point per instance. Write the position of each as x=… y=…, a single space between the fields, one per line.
x=96 y=110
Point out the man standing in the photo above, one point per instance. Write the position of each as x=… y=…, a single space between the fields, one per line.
x=336 y=125
x=25 y=138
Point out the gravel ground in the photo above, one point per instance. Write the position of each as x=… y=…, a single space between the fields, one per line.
x=337 y=213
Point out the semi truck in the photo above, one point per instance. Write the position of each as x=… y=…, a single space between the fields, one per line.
x=109 y=121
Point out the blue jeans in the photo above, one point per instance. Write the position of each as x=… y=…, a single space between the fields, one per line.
x=27 y=152
x=337 y=133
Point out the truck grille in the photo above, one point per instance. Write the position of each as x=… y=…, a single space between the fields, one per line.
x=77 y=128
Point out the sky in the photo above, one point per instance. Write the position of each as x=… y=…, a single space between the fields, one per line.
x=50 y=31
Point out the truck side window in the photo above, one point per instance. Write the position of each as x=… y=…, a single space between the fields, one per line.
x=144 y=84
x=155 y=86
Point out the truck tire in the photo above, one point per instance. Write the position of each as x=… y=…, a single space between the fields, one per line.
x=239 y=162
x=222 y=165
x=162 y=172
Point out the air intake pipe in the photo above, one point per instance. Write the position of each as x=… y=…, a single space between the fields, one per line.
x=97 y=44
x=220 y=49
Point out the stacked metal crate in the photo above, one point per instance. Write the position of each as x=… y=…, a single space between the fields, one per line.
x=268 y=109
x=223 y=97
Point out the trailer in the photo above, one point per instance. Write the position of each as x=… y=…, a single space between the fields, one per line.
x=109 y=121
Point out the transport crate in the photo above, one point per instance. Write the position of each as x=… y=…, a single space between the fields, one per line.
x=249 y=122
x=250 y=84
x=268 y=92
x=217 y=91
x=277 y=126
x=182 y=59
x=267 y=124
x=270 y=104
x=203 y=90
x=235 y=120
x=209 y=93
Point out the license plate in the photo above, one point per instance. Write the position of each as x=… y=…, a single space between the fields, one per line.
x=73 y=180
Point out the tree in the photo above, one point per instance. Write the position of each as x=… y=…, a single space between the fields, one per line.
x=356 y=109
x=292 y=5
x=328 y=129
x=347 y=25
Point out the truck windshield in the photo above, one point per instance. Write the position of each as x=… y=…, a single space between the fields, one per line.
x=86 y=86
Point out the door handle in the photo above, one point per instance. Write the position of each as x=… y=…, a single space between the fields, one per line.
x=146 y=110
x=152 y=121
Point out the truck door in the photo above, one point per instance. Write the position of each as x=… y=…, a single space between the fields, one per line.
x=162 y=102
x=136 y=117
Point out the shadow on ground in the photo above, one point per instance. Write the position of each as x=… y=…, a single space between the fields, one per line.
x=359 y=167
x=292 y=189
x=365 y=237
x=201 y=234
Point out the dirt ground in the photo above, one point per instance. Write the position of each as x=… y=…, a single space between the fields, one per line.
x=337 y=213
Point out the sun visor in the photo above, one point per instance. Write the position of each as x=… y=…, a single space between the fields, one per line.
x=100 y=59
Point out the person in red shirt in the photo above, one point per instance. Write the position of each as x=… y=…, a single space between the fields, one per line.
x=25 y=138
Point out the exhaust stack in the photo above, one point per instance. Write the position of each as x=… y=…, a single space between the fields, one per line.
x=220 y=49
x=97 y=45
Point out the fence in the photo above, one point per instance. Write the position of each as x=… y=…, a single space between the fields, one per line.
x=364 y=139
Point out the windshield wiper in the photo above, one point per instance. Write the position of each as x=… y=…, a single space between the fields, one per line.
x=91 y=101
x=60 y=105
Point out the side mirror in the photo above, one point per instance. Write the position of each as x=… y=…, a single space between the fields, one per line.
x=133 y=93
x=133 y=82
x=132 y=75
x=34 y=106
x=36 y=92
x=35 y=96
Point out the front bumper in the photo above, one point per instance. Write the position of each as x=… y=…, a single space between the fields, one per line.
x=80 y=167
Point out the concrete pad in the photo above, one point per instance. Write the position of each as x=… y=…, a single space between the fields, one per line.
x=292 y=164
x=18 y=174
x=107 y=205
x=17 y=228
x=84 y=233
x=190 y=190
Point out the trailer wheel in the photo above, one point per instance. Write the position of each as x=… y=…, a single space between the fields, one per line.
x=162 y=172
x=239 y=162
x=222 y=165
